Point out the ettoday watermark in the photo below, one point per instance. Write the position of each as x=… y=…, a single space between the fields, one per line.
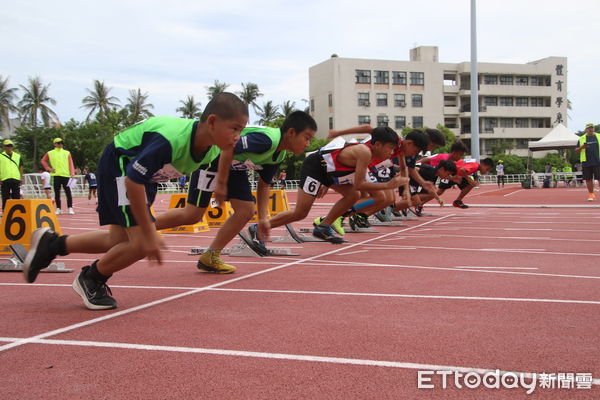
x=506 y=380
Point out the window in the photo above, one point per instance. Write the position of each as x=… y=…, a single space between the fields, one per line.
x=539 y=80
x=417 y=122
x=506 y=101
x=400 y=122
x=417 y=78
x=399 y=100
x=312 y=105
x=521 y=122
x=506 y=79
x=540 y=123
x=382 y=99
x=506 y=123
x=490 y=101
x=490 y=79
x=330 y=122
x=363 y=76
x=522 y=102
x=363 y=99
x=522 y=81
x=398 y=78
x=364 y=120
x=330 y=100
x=417 y=100
x=537 y=102
x=489 y=124
x=382 y=120
x=382 y=77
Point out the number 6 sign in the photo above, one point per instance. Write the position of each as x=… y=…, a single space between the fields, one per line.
x=22 y=217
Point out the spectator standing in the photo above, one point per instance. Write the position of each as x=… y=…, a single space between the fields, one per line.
x=11 y=170
x=60 y=165
x=500 y=173
x=282 y=177
x=90 y=178
x=589 y=156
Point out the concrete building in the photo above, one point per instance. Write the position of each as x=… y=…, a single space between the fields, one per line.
x=518 y=102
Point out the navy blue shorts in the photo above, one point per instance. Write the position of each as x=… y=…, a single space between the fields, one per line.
x=238 y=187
x=110 y=171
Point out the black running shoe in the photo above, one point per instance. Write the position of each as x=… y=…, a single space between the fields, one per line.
x=352 y=222
x=39 y=255
x=326 y=233
x=363 y=220
x=95 y=294
x=419 y=211
x=259 y=245
x=459 y=204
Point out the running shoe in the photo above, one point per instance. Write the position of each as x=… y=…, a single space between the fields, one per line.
x=338 y=226
x=210 y=261
x=40 y=254
x=259 y=246
x=326 y=233
x=96 y=295
x=459 y=204
x=362 y=220
x=591 y=197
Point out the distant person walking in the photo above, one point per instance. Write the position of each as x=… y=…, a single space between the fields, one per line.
x=500 y=173
x=46 y=187
x=11 y=170
x=282 y=177
x=60 y=165
x=589 y=156
x=92 y=183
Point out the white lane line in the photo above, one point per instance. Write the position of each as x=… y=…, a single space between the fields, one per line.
x=500 y=267
x=275 y=356
x=351 y=252
x=194 y=291
x=516 y=191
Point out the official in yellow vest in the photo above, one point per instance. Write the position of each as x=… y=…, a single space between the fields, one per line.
x=589 y=156
x=11 y=170
x=60 y=165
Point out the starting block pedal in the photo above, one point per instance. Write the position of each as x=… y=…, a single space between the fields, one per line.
x=361 y=230
x=374 y=221
x=15 y=263
x=295 y=237
x=245 y=248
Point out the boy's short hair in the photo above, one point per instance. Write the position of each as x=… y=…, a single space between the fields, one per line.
x=448 y=166
x=226 y=106
x=299 y=121
x=458 y=147
x=384 y=134
x=488 y=161
x=435 y=136
x=419 y=138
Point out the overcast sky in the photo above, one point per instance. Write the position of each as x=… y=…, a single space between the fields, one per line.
x=175 y=48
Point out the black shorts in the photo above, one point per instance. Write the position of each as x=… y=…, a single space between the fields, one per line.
x=591 y=173
x=111 y=182
x=238 y=186
x=313 y=174
x=447 y=184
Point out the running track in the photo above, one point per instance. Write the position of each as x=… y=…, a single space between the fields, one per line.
x=514 y=289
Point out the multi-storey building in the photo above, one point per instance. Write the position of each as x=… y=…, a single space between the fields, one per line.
x=517 y=102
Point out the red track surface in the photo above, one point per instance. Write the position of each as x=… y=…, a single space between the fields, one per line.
x=515 y=289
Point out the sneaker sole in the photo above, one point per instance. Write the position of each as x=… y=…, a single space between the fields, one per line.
x=35 y=240
x=212 y=270
x=79 y=290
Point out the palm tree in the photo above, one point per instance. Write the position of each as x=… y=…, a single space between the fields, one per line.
x=288 y=107
x=35 y=100
x=7 y=98
x=98 y=99
x=190 y=108
x=249 y=94
x=267 y=113
x=137 y=107
x=216 y=88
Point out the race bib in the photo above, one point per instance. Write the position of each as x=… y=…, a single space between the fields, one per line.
x=311 y=186
x=207 y=181
x=122 y=199
x=247 y=165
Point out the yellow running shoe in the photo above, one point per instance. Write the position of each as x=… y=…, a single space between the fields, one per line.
x=338 y=226
x=210 y=261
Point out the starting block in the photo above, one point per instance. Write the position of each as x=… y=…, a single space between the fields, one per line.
x=245 y=248
x=178 y=201
x=15 y=263
x=292 y=236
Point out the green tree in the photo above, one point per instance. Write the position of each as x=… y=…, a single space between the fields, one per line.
x=249 y=94
x=31 y=141
x=267 y=113
x=138 y=107
x=513 y=164
x=98 y=99
x=190 y=109
x=501 y=146
x=7 y=99
x=35 y=101
x=86 y=142
x=288 y=107
x=216 y=88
